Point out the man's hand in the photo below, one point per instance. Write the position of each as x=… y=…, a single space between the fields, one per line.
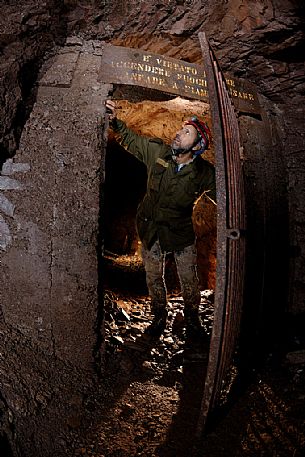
x=111 y=109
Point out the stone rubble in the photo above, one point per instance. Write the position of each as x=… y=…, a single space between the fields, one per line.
x=126 y=322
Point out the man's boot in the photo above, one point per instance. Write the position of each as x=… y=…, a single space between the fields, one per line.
x=193 y=325
x=158 y=323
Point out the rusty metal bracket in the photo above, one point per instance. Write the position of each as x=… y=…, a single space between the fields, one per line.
x=233 y=233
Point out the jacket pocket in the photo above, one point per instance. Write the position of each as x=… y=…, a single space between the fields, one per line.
x=156 y=177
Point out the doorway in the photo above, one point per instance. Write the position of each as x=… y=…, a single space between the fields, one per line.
x=169 y=364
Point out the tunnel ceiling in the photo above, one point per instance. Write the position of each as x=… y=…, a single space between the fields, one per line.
x=259 y=41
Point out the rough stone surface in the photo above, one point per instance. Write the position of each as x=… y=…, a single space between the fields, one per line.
x=55 y=233
x=42 y=393
x=49 y=239
x=28 y=30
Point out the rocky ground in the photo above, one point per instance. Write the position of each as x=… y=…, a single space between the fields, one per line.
x=149 y=401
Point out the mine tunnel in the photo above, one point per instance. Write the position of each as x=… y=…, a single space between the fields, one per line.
x=125 y=185
x=78 y=375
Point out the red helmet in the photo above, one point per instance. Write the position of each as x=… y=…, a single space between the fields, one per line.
x=203 y=131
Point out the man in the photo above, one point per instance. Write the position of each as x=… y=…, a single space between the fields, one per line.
x=177 y=176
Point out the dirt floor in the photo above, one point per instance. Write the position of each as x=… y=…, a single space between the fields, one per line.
x=149 y=400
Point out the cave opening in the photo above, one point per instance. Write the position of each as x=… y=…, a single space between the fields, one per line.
x=125 y=186
x=172 y=364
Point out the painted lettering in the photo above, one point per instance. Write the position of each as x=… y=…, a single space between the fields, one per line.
x=192 y=80
x=155 y=81
x=136 y=77
x=230 y=82
x=176 y=66
x=196 y=91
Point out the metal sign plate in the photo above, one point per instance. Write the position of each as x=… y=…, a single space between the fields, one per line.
x=130 y=66
x=142 y=68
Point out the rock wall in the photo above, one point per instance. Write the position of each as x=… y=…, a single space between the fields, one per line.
x=51 y=321
x=27 y=31
x=266 y=287
x=291 y=131
x=49 y=367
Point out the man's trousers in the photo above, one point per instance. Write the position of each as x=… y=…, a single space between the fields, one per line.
x=186 y=262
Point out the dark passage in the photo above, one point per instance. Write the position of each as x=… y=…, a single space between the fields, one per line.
x=160 y=380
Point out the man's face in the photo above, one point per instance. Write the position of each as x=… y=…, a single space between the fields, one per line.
x=184 y=139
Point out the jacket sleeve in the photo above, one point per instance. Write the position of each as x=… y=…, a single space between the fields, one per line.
x=143 y=148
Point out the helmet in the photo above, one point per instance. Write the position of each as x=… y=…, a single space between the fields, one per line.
x=203 y=131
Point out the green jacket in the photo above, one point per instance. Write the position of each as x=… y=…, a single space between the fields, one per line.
x=166 y=210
